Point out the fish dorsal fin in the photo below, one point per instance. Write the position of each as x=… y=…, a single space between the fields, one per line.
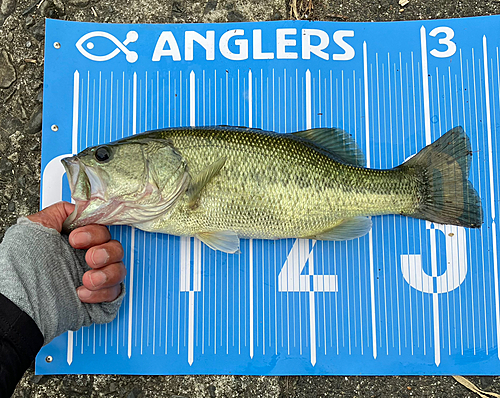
x=348 y=228
x=337 y=142
x=225 y=241
x=199 y=181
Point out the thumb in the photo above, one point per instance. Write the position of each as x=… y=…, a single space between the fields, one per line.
x=53 y=216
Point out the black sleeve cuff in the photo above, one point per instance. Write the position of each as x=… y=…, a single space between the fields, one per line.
x=20 y=341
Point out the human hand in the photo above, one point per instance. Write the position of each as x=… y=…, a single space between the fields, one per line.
x=103 y=282
x=62 y=282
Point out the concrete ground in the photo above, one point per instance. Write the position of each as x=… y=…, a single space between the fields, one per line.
x=21 y=79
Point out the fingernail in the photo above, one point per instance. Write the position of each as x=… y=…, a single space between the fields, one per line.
x=83 y=293
x=100 y=256
x=97 y=278
x=81 y=239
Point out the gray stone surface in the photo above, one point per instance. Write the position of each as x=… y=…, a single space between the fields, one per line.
x=22 y=22
x=7 y=7
x=7 y=70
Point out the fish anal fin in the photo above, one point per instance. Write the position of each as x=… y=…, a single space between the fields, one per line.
x=200 y=180
x=225 y=241
x=337 y=142
x=347 y=229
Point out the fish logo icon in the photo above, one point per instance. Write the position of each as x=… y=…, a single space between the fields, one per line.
x=131 y=56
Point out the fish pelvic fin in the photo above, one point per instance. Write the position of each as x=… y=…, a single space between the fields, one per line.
x=225 y=241
x=446 y=195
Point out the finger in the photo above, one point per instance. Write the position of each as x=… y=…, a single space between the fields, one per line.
x=105 y=277
x=88 y=236
x=99 y=296
x=53 y=216
x=108 y=253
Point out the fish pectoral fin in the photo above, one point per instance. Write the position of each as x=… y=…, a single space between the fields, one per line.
x=336 y=141
x=347 y=229
x=225 y=241
x=199 y=181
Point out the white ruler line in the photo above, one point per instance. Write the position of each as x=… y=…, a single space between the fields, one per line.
x=215 y=97
x=472 y=320
x=453 y=260
x=132 y=232
x=99 y=111
x=154 y=294
x=134 y=104
x=191 y=328
x=81 y=105
x=131 y=291
x=227 y=97
x=202 y=252
x=463 y=123
x=123 y=103
x=492 y=188
x=151 y=108
x=76 y=92
x=401 y=223
x=262 y=118
x=348 y=294
x=382 y=224
x=250 y=99
x=284 y=100
x=158 y=99
x=146 y=128
x=111 y=106
x=425 y=86
x=87 y=110
x=122 y=310
x=74 y=150
x=488 y=126
x=308 y=100
x=263 y=302
x=312 y=300
x=432 y=232
x=166 y=295
x=250 y=292
x=275 y=301
x=203 y=84
x=215 y=302
x=185 y=286
x=192 y=99
x=143 y=288
x=476 y=125
x=410 y=291
x=304 y=244
x=361 y=324
x=370 y=234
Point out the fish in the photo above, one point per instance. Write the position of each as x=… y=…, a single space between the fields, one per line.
x=221 y=184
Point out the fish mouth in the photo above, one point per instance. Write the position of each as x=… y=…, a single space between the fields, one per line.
x=85 y=186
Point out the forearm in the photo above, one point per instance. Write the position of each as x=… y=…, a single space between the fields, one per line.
x=20 y=341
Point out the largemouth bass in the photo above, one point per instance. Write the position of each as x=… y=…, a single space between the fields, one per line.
x=221 y=184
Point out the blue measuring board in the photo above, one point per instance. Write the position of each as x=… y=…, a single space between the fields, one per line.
x=410 y=297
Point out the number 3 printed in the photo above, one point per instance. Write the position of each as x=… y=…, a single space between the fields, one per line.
x=451 y=46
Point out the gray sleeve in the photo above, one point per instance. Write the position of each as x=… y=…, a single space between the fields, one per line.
x=40 y=271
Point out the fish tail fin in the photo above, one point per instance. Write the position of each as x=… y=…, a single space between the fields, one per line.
x=446 y=195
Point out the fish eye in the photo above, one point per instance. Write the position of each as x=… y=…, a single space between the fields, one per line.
x=102 y=154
